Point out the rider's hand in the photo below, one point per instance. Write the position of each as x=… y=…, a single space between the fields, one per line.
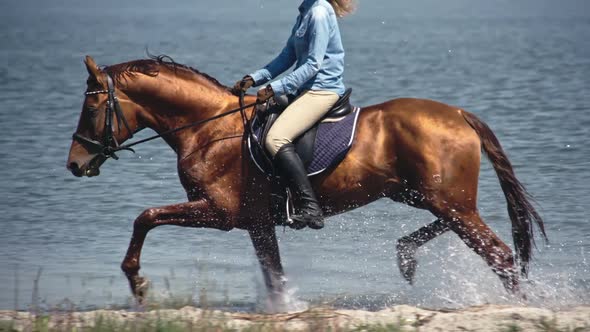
x=244 y=84
x=264 y=94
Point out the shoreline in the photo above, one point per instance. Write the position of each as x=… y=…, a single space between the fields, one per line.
x=397 y=318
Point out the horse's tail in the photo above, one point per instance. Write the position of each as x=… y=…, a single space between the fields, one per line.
x=522 y=213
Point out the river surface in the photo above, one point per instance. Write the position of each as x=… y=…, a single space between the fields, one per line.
x=522 y=66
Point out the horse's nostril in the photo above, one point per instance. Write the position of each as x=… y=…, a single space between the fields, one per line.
x=73 y=166
x=75 y=169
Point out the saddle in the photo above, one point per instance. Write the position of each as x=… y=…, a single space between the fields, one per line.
x=267 y=114
x=320 y=148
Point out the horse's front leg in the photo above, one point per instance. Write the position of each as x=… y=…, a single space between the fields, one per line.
x=267 y=250
x=191 y=214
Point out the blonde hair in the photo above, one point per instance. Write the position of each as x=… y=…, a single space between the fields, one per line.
x=343 y=7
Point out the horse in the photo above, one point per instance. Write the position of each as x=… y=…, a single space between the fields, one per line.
x=415 y=151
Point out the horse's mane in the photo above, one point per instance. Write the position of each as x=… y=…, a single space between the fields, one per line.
x=151 y=67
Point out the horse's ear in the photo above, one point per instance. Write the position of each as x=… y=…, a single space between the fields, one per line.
x=92 y=67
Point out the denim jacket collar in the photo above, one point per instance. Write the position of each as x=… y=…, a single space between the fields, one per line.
x=305 y=5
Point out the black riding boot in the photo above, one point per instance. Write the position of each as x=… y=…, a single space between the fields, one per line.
x=291 y=167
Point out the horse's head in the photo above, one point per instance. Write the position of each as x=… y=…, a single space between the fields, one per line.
x=103 y=124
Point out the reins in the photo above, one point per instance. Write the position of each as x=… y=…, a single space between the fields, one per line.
x=192 y=124
x=106 y=147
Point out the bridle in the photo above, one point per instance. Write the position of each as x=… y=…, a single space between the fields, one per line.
x=109 y=145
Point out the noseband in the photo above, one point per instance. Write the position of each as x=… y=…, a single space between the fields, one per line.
x=109 y=144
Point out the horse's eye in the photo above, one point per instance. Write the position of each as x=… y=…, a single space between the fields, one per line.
x=92 y=110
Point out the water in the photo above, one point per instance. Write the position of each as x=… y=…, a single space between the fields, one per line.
x=523 y=67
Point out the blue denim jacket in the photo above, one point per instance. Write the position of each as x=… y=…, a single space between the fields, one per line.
x=316 y=49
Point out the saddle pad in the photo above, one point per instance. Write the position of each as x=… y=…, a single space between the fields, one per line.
x=333 y=140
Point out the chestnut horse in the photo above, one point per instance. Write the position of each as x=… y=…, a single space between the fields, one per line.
x=420 y=152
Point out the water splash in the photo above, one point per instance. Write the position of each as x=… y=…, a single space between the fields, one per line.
x=285 y=302
x=273 y=303
x=456 y=277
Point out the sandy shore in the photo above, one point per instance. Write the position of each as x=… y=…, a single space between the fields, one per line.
x=398 y=318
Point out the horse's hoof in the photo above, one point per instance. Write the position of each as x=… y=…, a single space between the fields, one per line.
x=405 y=259
x=141 y=289
x=510 y=281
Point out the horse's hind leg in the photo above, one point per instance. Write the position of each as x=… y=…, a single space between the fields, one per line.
x=191 y=214
x=407 y=246
x=479 y=237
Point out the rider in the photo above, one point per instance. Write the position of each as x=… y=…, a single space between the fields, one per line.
x=315 y=47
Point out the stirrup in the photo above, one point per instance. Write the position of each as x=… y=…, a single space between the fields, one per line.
x=313 y=222
x=299 y=220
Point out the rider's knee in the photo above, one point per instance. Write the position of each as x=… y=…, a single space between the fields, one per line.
x=274 y=142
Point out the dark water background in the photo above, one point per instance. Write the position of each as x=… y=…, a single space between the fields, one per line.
x=522 y=66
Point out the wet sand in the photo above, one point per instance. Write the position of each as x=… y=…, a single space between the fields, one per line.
x=398 y=318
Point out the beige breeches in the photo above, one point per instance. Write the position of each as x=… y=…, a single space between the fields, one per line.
x=301 y=115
